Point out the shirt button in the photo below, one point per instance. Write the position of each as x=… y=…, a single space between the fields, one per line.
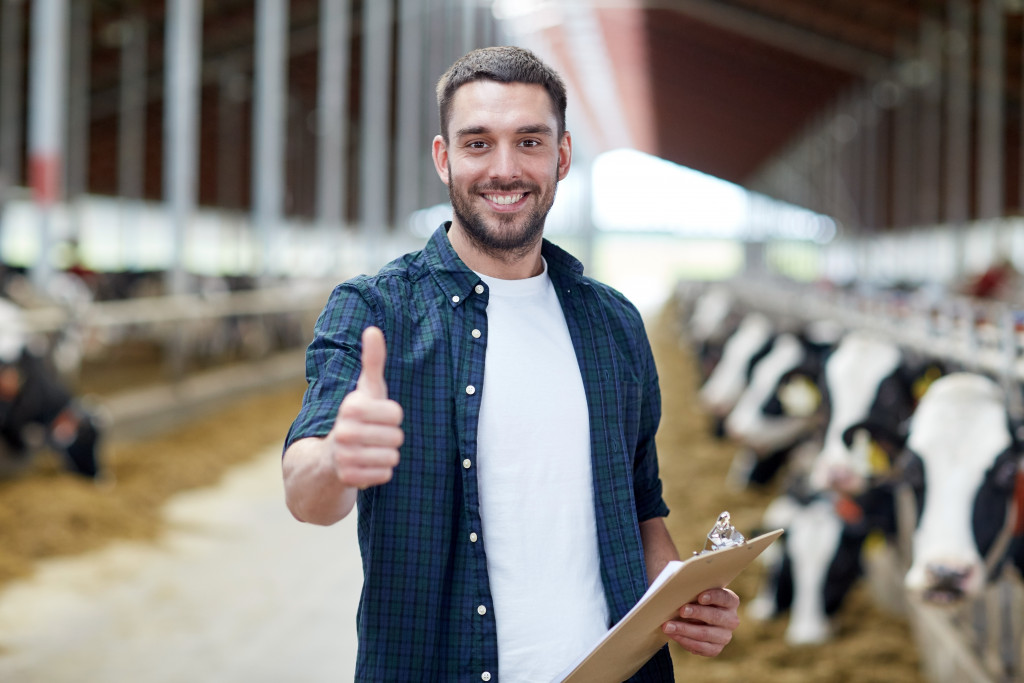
x=481 y=610
x=466 y=464
x=473 y=537
x=479 y=289
x=486 y=676
x=470 y=390
x=455 y=299
x=476 y=334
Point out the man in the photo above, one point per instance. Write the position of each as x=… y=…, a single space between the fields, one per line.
x=509 y=502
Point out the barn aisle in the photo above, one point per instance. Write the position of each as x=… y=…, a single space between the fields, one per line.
x=235 y=590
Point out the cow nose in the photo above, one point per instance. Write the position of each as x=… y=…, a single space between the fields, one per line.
x=946 y=583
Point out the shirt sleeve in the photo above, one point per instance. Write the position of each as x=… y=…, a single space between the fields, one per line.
x=646 y=478
x=333 y=360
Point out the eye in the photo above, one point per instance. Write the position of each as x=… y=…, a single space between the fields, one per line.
x=477 y=144
x=530 y=143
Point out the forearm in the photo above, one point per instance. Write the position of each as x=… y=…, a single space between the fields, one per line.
x=313 y=492
x=659 y=549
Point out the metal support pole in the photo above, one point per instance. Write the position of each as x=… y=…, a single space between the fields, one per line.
x=905 y=180
x=131 y=132
x=991 y=26
x=46 y=85
x=12 y=24
x=269 y=124
x=930 y=190
x=332 y=113
x=77 y=169
x=431 y=189
x=232 y=92
x=181 y=110
x=375 y=140
x=883 y=159
x=468 y=10
x=411 y=100
x=869 y=163
x=958 y=114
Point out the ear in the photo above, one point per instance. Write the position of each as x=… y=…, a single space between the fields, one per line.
x=439 y=151
x=564 y=155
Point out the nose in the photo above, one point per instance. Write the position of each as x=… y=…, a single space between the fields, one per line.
x=505 y=163
x=946 y=582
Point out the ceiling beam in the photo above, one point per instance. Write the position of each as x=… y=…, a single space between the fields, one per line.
x=778 y=34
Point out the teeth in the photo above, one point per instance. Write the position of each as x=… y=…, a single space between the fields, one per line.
x=504 y=199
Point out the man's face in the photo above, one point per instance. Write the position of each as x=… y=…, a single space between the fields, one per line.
x=502 y=163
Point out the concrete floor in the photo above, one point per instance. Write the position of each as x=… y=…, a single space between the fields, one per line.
x=237 y=591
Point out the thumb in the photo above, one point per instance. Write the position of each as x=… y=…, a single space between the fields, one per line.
x=371 y=379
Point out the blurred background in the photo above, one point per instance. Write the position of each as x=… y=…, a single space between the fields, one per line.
x=183 y=181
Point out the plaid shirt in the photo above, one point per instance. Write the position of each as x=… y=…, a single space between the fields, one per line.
x=426 y=613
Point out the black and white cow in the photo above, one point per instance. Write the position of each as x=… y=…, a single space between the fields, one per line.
x=820 y=557
x=872 y=387
x=36 y=409
x=751 y=340
x=869 y=389
x=714 y=317
x=779 y=410
x=963 y=452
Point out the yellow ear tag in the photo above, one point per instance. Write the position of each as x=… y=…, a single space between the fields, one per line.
x=799 y=397
x=874 y=543
x=878 y=459
x=924 y=381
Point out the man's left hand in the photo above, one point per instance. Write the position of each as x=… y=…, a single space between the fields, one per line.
x=705 y=625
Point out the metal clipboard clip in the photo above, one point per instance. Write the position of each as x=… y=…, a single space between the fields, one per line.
x=722 y=535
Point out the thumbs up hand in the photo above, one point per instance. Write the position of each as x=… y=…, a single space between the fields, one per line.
x=363 y=443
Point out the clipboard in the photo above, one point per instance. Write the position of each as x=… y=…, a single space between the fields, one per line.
x=627 y=646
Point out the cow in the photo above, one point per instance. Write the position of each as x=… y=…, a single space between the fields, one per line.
x=36 y=409
x=872 y=388
x=750 y=342
x=865 y=382
x=713 y=318
x=780 y=409
x=961 y=450
x=818 y=561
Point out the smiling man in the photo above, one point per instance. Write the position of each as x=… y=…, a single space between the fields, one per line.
x=491 y=413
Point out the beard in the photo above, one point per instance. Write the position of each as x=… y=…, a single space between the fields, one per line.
x=515 y=234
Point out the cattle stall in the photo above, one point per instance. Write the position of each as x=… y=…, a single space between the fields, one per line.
x=983 y=639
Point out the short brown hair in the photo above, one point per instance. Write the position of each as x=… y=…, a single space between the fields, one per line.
x=504 y=64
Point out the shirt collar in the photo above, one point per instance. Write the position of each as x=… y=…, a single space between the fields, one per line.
x=458 y=282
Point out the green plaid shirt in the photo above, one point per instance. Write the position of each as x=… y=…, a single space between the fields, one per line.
x=426 y=613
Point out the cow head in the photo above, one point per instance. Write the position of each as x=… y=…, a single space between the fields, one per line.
x=873 y=388
x=967 y=459
x=782 y=405
x=811 y=571
x=751 y=341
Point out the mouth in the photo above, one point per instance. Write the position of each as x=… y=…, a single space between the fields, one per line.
x=505 y=200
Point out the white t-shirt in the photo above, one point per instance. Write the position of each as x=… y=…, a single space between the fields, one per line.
x=536 y=486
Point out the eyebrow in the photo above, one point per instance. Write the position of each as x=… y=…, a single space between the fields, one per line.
x=536 y=128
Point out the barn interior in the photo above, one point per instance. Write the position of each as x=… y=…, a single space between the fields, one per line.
x=183 y=182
